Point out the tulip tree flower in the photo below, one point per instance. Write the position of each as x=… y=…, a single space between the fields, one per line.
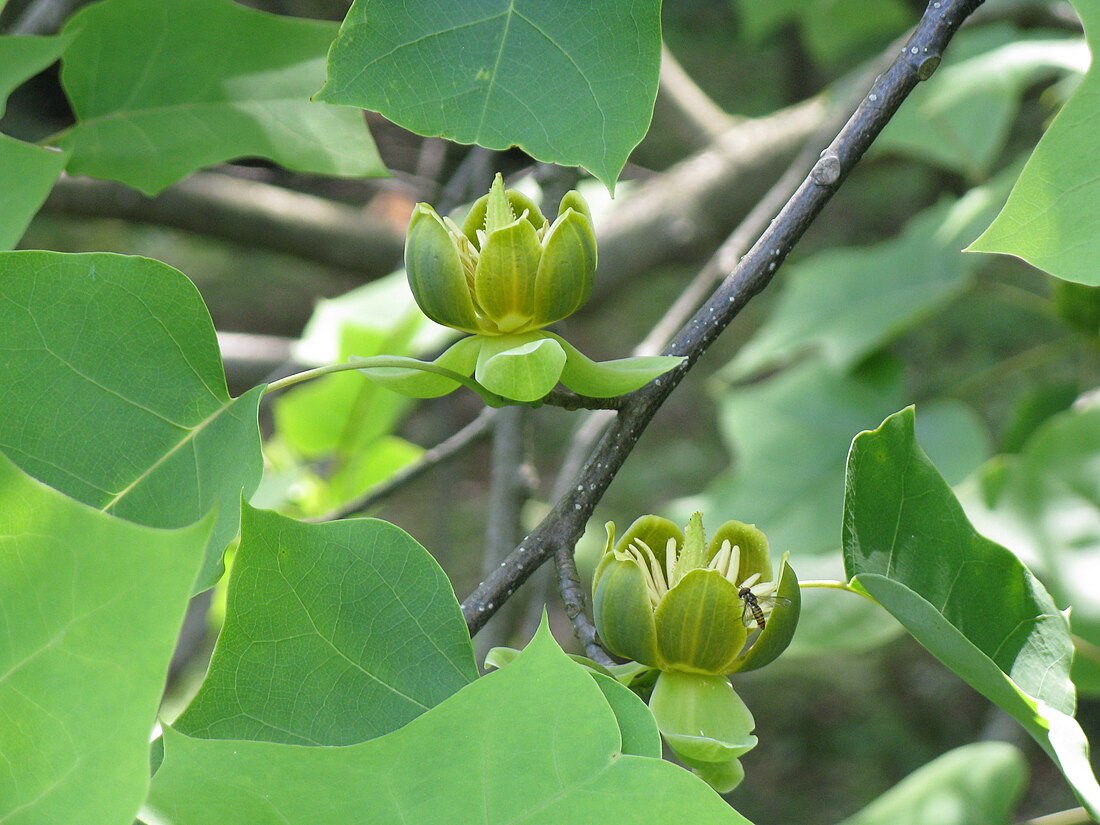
x=696 y=612
x=503 y=276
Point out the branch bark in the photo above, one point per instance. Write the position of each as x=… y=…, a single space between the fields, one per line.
x=566 y=520
x=246 y=212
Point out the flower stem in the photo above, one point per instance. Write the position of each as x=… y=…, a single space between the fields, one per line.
x=831 y=584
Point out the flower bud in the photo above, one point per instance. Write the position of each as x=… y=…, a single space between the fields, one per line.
x=507 y=270
x=670 y=600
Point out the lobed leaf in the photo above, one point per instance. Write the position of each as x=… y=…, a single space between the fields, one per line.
x=535 y=742
x=1051 y=220
x=112 y=391
x=90 y=609
x=969 y=601
x=334 y=633
x=467 y=72
x=245 y=93
x=27 y=174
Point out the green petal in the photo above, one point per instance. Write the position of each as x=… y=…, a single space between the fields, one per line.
x=722 y=776
x=435 y=273
x=699 y=626
x=567 y=269
x=781 y=624
x=414 y=381
x=754 y=549
x=575 y=201
x=702 y=718
x=523 y=368
x=654 y=531
x=475 y=218
x=608 y=379
x=622 y=613
x=505 y=277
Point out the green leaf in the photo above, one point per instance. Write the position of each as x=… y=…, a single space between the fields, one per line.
x=960 y=119
x=21 y=58
x=520 y=367
x=607 y=379
x=847 y=303
x=244 y=93
x=112 y=391
x=90 y=608
x=353 y=616
x=790 y=436
x=537 y=740
x=1051 y=220
x=1046 y=510
x=568 y=82
x=27 y=174
x=636 y=724
x=969 y=601
x=978 y=784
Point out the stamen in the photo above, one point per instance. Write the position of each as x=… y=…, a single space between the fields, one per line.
x=670 y=560
x=658 y=579
x=751 y=580
x=721 y=560
x=735 y=565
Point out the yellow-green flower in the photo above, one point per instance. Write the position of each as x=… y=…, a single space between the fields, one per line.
x=507 y=270
x=670 y=600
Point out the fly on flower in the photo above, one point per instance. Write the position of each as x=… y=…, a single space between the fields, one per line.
x=760 y=600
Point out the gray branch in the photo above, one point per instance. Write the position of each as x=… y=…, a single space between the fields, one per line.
x=566 y=520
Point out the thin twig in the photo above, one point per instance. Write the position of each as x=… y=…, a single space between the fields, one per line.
x=429 y=459
x=566 y=520
x=573 y=597
x=511 y=481
x=568 y=400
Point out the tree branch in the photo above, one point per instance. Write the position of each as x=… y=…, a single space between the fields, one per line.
x=246 y=212
x=566 y=521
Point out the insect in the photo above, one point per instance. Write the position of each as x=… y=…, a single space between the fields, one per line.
x=753 y=605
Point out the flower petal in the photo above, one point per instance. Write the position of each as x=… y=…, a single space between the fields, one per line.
x=523 y=368
x=608 y=379
x=754 y=548
x=475 y=218
x=505 y=278
x=415 y=381
x=621 y=609
x=435 y=273
x=781 y=624
x=567 y=269
x=699 y=627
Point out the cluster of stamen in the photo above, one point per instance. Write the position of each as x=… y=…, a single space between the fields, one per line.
x=727 y=562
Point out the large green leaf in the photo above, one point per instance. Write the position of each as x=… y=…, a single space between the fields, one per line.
x=790 y=436
x=160 y=91
x=569 y=82
x=334 y=633
x=969 y=601
x=112 y=391
x=978 y=784
x=27 y=174
x=1045 y=507
x=21 y=58
x=535 y=743
x=960 y=119
x=847 y=303
x=90 y=607
x=1051 y=219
